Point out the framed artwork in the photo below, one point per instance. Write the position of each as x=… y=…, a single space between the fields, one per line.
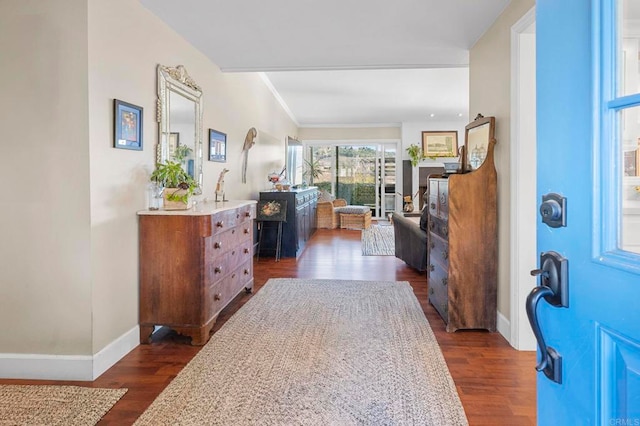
x=173 y=143
x=217 y=146
x=127 y=123
x=440 y=144
x=478 y=135
x=272 y=210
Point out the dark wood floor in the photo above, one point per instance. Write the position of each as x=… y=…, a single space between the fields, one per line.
x=496 y=383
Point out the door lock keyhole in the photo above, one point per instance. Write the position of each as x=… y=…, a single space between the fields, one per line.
x=554 y=210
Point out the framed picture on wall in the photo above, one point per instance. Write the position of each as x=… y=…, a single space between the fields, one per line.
x=440 y=143
x=217 y=146
x=127 y=123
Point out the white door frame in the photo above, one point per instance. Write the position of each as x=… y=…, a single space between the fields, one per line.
x=523 y=257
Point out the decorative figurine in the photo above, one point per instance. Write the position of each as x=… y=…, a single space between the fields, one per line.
x=249 y=141
x=220 y=185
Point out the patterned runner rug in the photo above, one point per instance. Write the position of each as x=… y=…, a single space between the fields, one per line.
x=317 y=352
x=55 y=405
x=378 y=240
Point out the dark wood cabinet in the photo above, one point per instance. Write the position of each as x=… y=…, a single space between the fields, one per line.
x=192 y=264
x=300 y=222
x=462 y=266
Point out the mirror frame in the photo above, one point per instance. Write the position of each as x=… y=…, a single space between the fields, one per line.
x=290 y=172
x=479 y=121
x=177 y=80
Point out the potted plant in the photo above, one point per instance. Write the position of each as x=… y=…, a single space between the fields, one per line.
x=415 y=154
x=312 y=170
x=178 y=185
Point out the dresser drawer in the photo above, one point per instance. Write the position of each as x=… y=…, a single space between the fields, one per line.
x=439 y=227
x=219 y=244
x=443 y=198
x=222 y=292
x=220 y=266
x=438 y=290
x=438 y=250
x=433 y=205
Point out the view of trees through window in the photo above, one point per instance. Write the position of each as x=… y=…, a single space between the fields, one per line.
x=350 y=172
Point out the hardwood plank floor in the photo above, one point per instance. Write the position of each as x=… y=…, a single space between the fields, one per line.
x=496 y=383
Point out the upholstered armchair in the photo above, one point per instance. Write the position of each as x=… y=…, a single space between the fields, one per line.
x=327 y=216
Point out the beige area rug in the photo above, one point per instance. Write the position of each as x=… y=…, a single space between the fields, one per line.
x=317 y=352
x=55 y=405
x=378 y=240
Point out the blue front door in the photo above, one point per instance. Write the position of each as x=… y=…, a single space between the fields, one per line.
x=583 y=127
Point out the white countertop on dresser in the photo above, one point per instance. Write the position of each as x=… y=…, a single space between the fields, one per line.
x=202 y=208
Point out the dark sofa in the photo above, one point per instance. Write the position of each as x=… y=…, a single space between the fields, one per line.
x=411 y=240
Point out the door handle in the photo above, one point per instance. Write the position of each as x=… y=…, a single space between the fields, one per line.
x=554 y=289
x=551 y=362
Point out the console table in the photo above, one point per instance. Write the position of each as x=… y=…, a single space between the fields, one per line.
x=302 y=205
x=192 y=264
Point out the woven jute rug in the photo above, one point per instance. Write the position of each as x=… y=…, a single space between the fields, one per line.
x=378 y=240
x=55 y=405
x=316 y=352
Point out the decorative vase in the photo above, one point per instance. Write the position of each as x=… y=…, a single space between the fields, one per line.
x=408 y=204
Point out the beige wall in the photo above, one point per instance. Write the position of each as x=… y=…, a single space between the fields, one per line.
x=124 y=49
x=45 y=293
x=489 y=94
x=69 y=252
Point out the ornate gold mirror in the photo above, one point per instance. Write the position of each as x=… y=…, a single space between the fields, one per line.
x=478 y=136
x=180 y=120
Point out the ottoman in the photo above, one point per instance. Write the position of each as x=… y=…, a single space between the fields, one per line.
x=354 y=217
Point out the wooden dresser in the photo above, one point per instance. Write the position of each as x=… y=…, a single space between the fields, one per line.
x=192 y=264
x=463 y=255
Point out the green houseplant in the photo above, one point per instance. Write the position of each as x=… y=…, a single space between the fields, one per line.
x=312 y=170
x=178 y=185
x=415 y=154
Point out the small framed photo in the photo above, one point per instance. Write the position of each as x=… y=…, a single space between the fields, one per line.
x=217 y=146
x=127 y=123
x=440 y=144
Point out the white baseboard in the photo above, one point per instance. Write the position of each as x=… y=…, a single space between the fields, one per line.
x=68 y=367
x=504 y=327
x=115 y=351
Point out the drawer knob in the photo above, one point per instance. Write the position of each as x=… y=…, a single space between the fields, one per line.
x=247 y=214
x=217 y=245
x=445 y=254
x=246 y=250
x=233 y=253
x=217 y=296
x=246 y=230
x=238 y=216
x=220 y=224
x=445 y=230
x=433 y=206
x=246 y=272
x=431 y=291
x=445 y=281
x=218 y=270
x=431 y=267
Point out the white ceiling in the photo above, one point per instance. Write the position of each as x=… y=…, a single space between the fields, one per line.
x=344 y=62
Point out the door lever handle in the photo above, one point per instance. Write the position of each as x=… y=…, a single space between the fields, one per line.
x=551 y=362
x=553 y=273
